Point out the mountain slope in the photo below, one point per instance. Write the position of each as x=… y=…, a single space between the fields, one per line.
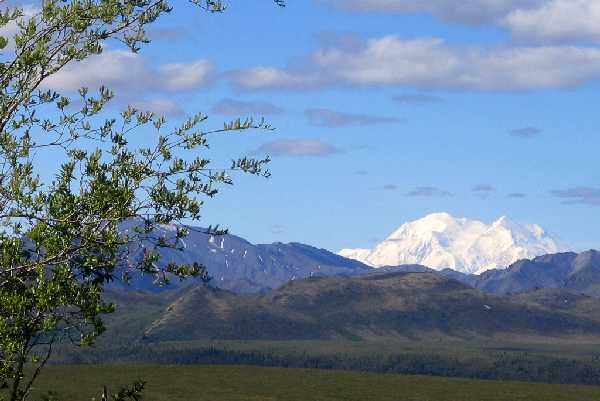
x=368 y=306
x=576 y=273
x=236 y=264
x=562 y=301
x=468 y=246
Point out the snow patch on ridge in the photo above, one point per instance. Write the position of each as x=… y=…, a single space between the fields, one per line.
x=442 y=241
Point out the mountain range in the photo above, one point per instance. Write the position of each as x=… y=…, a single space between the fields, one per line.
x=237 y=265
x=290 y=294
x=376 y=305
x=298 y=292
x=442 y=241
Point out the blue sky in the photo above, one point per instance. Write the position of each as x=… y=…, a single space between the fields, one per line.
x=386 y=110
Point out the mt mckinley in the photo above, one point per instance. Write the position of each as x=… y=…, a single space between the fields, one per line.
x=441 y=241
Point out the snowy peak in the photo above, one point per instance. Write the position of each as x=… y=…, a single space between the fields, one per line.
x=442 y=241
x=356 y=254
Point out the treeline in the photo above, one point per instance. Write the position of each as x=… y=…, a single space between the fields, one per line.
x=494 y=366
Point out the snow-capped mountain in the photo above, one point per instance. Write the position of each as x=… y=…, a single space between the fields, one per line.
x=441 y=241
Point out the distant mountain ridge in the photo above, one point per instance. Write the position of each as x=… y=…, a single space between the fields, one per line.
x=568 y=272
x=408 y=305
x=442 y=241
x=237 y=265
x=572 y=272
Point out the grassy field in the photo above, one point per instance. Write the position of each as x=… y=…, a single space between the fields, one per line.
x=574 y=348
x=239 y=383
x=556 y=363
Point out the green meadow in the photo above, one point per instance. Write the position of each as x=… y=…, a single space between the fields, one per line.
x=243 y=383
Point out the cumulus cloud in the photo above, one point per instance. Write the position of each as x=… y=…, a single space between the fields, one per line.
x=432 y=64
x=533 y=20
x=297 y=147
x=516 y=195
x=265 y=77
x=417 y=99
x=185 y=76
x=232 y=107
x=579 y=195
x=335 y=119
x=428 y=192
x=123 y=70
x=390 y=187
x=557 y=21
x=526 y=132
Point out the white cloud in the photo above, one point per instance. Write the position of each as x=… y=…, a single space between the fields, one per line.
x=557 y=20
x=185 y=76
x=533 y=20
x=111 y=68
x=264 y=77
x=125 y=71
x=433 y=64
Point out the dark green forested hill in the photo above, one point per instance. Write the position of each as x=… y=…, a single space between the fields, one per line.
x=406 y=305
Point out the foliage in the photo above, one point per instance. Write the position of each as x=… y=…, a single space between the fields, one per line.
x=62 y=241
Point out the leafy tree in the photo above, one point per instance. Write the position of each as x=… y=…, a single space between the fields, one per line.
x=61 y=242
